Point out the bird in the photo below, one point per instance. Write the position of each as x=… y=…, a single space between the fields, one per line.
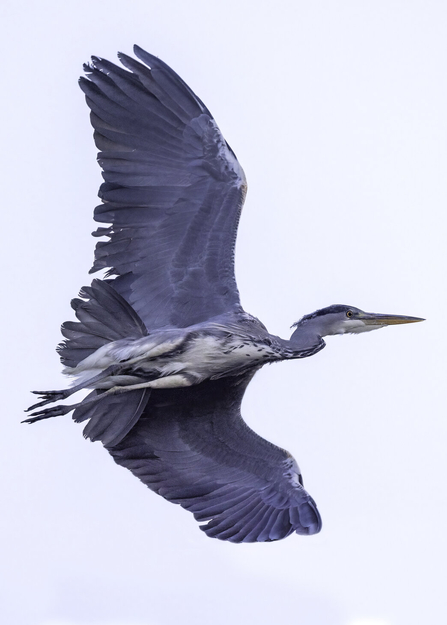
x=162 y=341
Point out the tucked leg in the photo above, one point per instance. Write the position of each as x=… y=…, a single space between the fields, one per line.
x=171 y=381
x=48 y=397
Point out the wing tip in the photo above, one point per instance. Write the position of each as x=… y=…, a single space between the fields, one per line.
x=146 y=57
x=304 y=520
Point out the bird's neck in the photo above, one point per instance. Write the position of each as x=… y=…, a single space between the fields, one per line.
x=306 y=340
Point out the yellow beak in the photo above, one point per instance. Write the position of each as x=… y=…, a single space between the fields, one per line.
x=387 y=320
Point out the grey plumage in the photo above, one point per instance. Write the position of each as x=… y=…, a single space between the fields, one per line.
x=164 y=342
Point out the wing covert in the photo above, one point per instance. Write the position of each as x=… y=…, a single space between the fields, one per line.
x=192 y=447
x=172 y=192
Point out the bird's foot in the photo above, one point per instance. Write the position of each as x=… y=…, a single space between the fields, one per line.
x=48 y=397
x=56 y=411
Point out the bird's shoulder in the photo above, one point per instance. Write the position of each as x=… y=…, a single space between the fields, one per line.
x=238 y=323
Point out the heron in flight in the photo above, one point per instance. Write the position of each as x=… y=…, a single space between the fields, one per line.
x=163 y=341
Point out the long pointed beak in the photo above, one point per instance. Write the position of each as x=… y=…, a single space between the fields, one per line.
x=387 y=320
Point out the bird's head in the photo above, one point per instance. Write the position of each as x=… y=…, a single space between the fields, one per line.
x=341 y=319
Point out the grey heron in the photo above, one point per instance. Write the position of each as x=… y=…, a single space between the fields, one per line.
x=163 y=341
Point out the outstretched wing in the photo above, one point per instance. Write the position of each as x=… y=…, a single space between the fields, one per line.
x=192 y=447
x=173 y=193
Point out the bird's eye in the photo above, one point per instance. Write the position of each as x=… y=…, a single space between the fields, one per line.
x=349 y=313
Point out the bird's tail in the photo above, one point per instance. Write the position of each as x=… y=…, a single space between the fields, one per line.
x=104 y=316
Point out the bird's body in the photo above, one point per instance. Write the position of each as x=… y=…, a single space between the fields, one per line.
x=185 y=355
x=163 y=341
x=228 y=345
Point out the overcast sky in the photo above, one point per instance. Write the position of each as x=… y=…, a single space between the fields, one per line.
x=337 y=110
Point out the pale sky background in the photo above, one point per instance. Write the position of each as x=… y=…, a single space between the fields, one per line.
x=337 y=110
